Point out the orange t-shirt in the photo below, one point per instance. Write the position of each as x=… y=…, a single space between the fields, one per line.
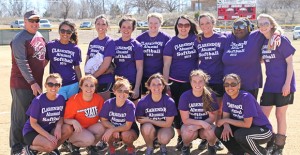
x=86 y=113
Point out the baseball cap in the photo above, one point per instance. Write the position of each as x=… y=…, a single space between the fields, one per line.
x=31 y=14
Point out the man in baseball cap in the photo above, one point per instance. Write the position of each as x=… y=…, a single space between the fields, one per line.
x=31 y=14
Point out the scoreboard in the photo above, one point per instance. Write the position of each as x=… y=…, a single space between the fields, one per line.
x=232 y=9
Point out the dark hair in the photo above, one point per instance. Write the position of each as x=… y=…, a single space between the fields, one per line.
x=193 y=29
x=74 y=36
x=102 y=17
x=54 y=76
x=127 y=18
x=86 y=77
x=209 y=15
x=161 y=78
x=246 y=21
x=207 y=92
x=233 y=76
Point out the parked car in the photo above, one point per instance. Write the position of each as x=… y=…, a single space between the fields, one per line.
x=45 y=24
x=86 y=25
x=296 y=33
x=142 y=24
x=19 y=23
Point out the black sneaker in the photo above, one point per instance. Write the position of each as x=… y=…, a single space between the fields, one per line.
x=211 y=150
x=156 y=143
x=92 y=150
x=219 y=146
x=101 y=146
x=64 y=147
x=203 y=145
x=179 y=143
x=185 y=150
x=277 y=152
x=28 y=151
x=17 y=149
x=54 y=152
x=73 y=149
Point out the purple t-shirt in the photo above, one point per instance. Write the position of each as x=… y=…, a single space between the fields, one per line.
x=276 y=66
x=210 y=51
x=106 y=47
x=118 y=116
x=46 y=112
x=245 y=106
x=165 y=107
x=62 y=59
x=184 y=57
x=242 y=57
x=127 y=52
x=189 y=102
x=153 y=52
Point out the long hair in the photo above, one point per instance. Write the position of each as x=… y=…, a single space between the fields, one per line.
x=128 y=18
x=102 y=16
x=74 y=36
x=207 y=98
x=193 y=29
x=161 y=78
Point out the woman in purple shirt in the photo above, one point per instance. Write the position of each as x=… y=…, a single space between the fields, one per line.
x=129 y=56
x=180 y=58
x=153 y=42
x=243 y=126
x=44 y=131
x=280 y=84
x=65 y=57
x=155 y=112
x=104 y=45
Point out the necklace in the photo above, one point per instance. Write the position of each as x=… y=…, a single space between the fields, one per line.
x=152 y=39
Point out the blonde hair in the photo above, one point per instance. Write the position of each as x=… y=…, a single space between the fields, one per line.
x=207 y=98
x=121 y=82
x=276 y=26
x=156 y=15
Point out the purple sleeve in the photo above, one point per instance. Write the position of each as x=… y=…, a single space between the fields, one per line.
x=138 y=51
x=171 y=107
x=140 y=108
x=130 y=113
x=110 y=49
x=168 y=50
x=249 y=107
x=225 y=100
x=105 y=109
x=183 y=102
x=286 y=48
x=78 y=58
x=214 y=104
x=34 y=109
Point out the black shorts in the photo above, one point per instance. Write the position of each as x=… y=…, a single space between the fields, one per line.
x=29 y=137
x=218 y=89
x=254 y=92
x=136 y=129
x=276 y=99
x=143 y=84
x=102 y=88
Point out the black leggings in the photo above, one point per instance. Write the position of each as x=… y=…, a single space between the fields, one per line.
x=246 y=139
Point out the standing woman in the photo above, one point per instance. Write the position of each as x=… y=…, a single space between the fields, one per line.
x=180 y=58
x=45 y=130
x=82 y=112
x=243 y=126
x=153 y=42
x=104 y=45
x=129 y=56
x=65 y=57
x=280 y=79
x=155 y=112
x=117 y=116
x=198 y=109
x=210 y=51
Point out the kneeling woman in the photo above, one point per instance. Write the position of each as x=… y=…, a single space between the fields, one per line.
x=117 y=116
x=198 y=109
x=43 y=132
x=82 y=112
x=243 y=126
x=155 y=112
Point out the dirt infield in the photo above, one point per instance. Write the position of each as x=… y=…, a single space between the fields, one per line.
x=293 y=115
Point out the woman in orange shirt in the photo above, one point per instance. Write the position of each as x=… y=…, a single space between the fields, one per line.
x=81 y=112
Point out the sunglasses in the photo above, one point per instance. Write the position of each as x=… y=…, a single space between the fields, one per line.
x=63 y=31
x=264 y=24
x=239 y=27
x=34 y=20
x=230 y=84
x=123 y=91
x=50 y=84
x=180 y=25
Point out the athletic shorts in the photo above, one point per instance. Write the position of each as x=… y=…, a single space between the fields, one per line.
x=276 y=99
x=254 y=92
x=29 y=137
x=136 y=129
x=143 y=84
x=218 y=89
x=102 y=88
x=69 y=90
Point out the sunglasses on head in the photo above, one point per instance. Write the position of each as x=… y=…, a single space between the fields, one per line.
x=34 y=20
x=63 y=31
x=187 y=25
x=123 y=91
x=239 y=27
x=263 y=24
x=230 y=84
x=51 y=84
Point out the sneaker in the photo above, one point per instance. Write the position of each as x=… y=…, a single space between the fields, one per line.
x=149 y=151
x=111 y=150
x=270 y=149
x=92 y=150
x=64 y=147
x=73 y=149
x=219 y=146
x=101 y=146
x=17 y=149
x=185 y=150
x=277 y=152
x=118 y=143
x=156 y=143
x=131 y=151
x=54 y=152
x=211 y=150
x=179 y=143
x=203 y=145
x=28 y=151
x=163 y=150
